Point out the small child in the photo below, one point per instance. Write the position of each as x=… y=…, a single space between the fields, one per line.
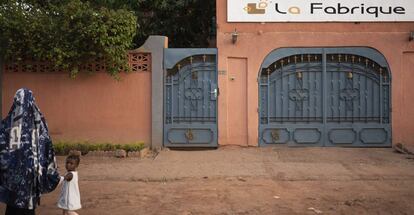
x=69 y=199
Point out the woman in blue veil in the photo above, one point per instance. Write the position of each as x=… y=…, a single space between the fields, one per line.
x=27 y=161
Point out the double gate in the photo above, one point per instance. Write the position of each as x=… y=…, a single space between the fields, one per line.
x=325 y=97
x=190 y=97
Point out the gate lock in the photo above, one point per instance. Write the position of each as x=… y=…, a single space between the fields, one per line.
x=275 y=135
x=189 y=135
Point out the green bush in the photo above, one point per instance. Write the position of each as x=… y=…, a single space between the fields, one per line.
x=93 y=147
x=82 y=147
x=109 y=147
x=59 y=148
x=134 y=147
x=63 y=147
x=68 y=34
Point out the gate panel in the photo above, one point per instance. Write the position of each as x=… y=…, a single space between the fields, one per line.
x=291 y=101
x=190 y=115
x=325 y=96
x=358 y=101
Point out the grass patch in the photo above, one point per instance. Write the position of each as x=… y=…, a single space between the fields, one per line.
x=64 y=147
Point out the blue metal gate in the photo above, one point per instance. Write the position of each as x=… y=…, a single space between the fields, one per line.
x=325 y=97
x=190 y=99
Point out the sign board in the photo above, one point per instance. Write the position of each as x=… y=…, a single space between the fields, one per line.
x=320 y=10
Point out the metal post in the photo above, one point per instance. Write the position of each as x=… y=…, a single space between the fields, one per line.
x=268 y=98
x=324 y=100
x=381 y=100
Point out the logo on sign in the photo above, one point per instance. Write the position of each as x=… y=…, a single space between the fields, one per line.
x=256 y=8
x=260 y=8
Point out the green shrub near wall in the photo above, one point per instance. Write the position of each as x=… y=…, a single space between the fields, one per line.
x=63 y=147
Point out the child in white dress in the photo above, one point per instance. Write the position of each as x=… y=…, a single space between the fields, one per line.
x=69 y=199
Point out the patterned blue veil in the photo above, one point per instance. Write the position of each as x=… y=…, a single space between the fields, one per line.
x=27 y=160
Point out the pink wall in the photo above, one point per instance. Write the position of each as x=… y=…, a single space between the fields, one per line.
x=256 y=40
x=406 y=123
x=92 y=107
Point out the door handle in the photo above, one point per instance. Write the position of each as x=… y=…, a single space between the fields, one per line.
x=214 y=92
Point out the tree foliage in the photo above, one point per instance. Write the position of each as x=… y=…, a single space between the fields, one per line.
x=187 y=23
x=66 y=33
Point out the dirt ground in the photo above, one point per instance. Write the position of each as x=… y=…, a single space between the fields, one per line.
x=233 y=180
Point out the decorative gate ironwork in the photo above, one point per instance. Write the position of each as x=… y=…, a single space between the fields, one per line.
x=325 y=97
x=190 y=113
